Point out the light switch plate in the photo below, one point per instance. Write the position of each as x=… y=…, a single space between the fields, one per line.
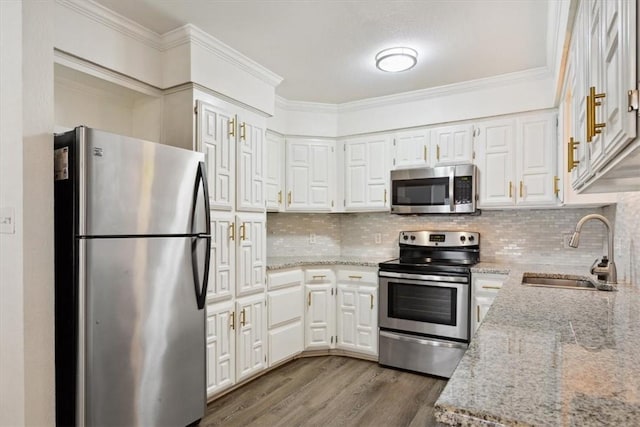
x=7 y=220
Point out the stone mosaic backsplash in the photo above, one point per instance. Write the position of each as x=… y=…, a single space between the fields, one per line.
x=519 y=236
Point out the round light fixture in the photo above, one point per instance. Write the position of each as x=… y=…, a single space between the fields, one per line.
x=396 y=59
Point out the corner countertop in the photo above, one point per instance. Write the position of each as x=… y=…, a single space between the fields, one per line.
x=278 y=263
x=549 y=357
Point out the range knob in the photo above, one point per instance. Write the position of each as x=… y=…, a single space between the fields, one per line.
x=471 y=238
x=462 y=239
x=413 y=237
x=405 y=237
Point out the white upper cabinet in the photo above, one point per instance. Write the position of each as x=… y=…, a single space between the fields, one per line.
x=452 y=145
x=216 y=139
x=250 y=153
x=274 y=178
x=517 y=161
x=367 y=173
x=412 y=149
x=310 y=174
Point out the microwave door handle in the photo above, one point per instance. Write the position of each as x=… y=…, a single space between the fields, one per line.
x=452 y=182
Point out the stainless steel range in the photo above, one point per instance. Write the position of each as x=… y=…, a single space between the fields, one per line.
x=425 y=298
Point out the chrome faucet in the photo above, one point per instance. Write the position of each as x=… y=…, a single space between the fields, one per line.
x=610 y=270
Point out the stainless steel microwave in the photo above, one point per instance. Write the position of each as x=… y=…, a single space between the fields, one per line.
x=444 y=189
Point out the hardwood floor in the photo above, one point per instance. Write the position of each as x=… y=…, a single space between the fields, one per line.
x=329 y=391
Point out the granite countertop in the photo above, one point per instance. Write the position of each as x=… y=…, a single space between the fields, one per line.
x=549 y=357
x=278 y=263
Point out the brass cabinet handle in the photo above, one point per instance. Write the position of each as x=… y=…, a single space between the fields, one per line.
x=232 y=231
x=478 y=313
x=243 y=318
x=571 y=162
x=510 y=189
x=556 y=188
x=385 y=196
x=491 y=287
x=232 y=323
x=318 y=277
x=309 y=299
x=232 y=126
x=243 y=130
x=289 y=198
x=371 y=301
x=355 y=277
x=243 y=229
x=521 y=185
x=438 y=152
x=593 y=128
x=280 y=197
x=425 y=153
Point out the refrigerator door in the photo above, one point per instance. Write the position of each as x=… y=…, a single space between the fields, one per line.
x=144 y=336
x=127 y=186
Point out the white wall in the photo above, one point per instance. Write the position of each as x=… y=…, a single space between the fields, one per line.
x=37 y=139
x=12 y=389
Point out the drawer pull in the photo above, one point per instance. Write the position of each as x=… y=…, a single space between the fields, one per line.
x=243 y=320
x=491 y=287
x=319 y=277
x=371 y=301
x=355 y=277
x=478 y=313
x=232 y=323
x=309 y=299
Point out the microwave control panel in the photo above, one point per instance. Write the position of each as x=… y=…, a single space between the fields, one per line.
x=463 y=190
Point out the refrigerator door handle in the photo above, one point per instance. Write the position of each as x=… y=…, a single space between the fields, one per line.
x=201 y=291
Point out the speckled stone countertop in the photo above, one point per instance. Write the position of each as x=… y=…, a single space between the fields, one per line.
x=549 y=357
x=278 y=263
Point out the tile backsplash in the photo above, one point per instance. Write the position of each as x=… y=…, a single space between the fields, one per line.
x=626 y=219
x=519 y=236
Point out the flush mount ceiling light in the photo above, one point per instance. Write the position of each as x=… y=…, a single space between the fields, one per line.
x=396 y=59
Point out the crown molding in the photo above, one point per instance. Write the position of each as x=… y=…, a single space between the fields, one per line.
x=190 y=33
x=100 y=14
x=305 y=107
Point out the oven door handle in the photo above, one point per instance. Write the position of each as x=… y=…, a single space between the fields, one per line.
x=433 y=343
x=446 y=279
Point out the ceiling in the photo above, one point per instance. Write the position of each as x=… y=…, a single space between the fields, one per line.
x=325 y=49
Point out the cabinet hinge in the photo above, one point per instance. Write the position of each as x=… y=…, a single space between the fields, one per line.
x=473 y=155
x=332 y=149
x=633 y=100
x=344 y=148
x=195 y=109
x=265 y=358
x=394 y=162
x=332 y=339
x=332 y=203
x=331 y=291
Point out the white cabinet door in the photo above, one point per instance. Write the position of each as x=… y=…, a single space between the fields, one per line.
x=250 y=166
x=251 y=253
x=452 y=144
x=412 y=149
x=482 y=304
x=274 y=179
x=535 y=161
x=367 y=173
x=252 y=330
x=221 y=352
x=310 y=174
x=496 y=155
x=223 y=256
x=215 y=138
x=357 y=326
x=319 y=316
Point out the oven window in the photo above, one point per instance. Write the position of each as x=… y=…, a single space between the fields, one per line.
x=430 y=304
x=421 y=192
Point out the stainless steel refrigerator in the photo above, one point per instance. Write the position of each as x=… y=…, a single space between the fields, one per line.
x=132 y=248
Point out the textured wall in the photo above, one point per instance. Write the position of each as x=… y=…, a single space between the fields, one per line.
x=511 y=235
x=627 y=236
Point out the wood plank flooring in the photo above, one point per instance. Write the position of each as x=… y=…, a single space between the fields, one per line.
x=329 y=391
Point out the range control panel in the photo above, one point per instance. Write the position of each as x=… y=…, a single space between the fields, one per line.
x=439 y=238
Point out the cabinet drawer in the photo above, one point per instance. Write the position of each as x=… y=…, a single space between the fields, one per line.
x=319 y=275
x=284 y=305
x=284 y=278
x=488 y=283
x=285 y=342
x=363 y=277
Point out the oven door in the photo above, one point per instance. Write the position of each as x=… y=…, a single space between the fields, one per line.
x=425 y=304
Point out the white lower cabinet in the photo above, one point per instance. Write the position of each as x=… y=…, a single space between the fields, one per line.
x=320 y=311
x=251 y=330
x=484 y=289
x=284 y=315
x=357 y=325
x=221 y=340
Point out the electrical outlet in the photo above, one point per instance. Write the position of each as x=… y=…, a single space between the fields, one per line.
x=7 y=220
x=312 y=238
x=566 y=238
x=377 y=238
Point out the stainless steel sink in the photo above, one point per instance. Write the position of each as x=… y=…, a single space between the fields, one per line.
x=572 y=282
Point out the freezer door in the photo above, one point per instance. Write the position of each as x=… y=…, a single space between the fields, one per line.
x=144 y=336
x=127 y=186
